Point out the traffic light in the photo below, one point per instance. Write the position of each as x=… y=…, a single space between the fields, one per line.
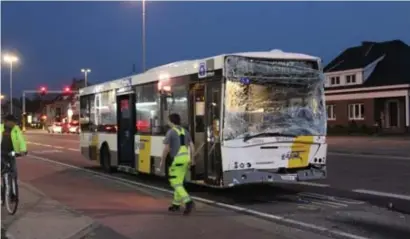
x=43 y=90
x=67 y=90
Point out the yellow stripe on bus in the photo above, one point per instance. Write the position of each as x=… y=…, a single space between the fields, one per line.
x=94 y=143
x=301 y=149
x=144 y=157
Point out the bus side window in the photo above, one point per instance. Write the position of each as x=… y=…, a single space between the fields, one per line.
x=147 y=108
x=176 y=101
x=85 y=117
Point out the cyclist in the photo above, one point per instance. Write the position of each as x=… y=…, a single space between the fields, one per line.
x=12 y=139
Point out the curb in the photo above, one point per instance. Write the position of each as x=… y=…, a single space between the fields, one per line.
x=82 y=233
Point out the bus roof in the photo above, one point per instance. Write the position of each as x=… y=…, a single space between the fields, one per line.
x=187 y=67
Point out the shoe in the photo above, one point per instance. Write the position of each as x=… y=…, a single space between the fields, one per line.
x=174 y=208
x=188 y=207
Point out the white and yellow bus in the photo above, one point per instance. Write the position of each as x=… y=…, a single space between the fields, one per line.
x=254 y=117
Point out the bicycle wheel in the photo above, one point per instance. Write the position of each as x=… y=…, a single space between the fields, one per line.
x=11 y=197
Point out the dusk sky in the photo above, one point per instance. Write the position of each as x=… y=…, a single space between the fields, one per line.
x=54 y=40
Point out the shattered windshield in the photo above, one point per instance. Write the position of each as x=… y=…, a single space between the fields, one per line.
x=265 y=98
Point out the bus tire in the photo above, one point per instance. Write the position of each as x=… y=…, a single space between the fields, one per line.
x=105 y=159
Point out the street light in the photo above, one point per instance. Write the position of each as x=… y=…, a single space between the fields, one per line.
x=143 y=35
x=10 y=59
x=85 y=71
x=2 y=97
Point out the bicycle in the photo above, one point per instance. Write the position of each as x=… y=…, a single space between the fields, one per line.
x=9 y=182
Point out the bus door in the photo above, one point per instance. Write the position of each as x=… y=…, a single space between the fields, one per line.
x=197 y=128
x=212 y=148
x=126 y=130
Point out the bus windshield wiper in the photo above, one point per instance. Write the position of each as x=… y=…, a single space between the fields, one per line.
x=248 y=137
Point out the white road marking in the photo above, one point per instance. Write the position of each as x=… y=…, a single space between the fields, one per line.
x=57 y=147
x=47 y=151
x=210 y=202
x=332 y=198
x=68 y=140
x=335 y=202
x=47 y=145
x=314 y=184
x=320 y=203
x=369 y=155
x=382 y=194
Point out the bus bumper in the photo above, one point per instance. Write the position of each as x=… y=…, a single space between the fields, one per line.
x=238 y=177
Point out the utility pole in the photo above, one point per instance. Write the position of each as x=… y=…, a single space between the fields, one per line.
x=143 y=35
x=11 y=59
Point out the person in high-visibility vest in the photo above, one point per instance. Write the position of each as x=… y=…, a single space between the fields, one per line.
x=12 y=139
x=176 y=143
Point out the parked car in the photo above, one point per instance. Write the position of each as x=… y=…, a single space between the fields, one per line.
x=74 y=127
x=65 y=128
x=58 y=127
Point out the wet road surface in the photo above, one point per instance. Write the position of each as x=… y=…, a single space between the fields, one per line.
x=291 y=210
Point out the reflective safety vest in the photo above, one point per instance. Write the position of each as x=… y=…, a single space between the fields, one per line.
x=183 y=149
x=17 y=138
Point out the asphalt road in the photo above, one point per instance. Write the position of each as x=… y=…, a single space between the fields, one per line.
x=347 y=169
x=110 y=208
x=386 y=146
x=55 y=167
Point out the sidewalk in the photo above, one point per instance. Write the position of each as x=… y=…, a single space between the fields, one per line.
x=39 y=217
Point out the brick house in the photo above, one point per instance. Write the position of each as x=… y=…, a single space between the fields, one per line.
x=370 y=85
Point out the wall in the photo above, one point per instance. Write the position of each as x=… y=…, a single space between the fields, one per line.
x=381 y=106
x=372 y=109
x=342 y=75
x=342 y=112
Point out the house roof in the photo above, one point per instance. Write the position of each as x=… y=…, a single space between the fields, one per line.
x=392 y=69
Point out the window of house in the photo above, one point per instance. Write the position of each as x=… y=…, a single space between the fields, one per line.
x=351 y=79
x=58 y=111
x=147 y=108
x=335 y=80
x=356 y=111
x=331 y=114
